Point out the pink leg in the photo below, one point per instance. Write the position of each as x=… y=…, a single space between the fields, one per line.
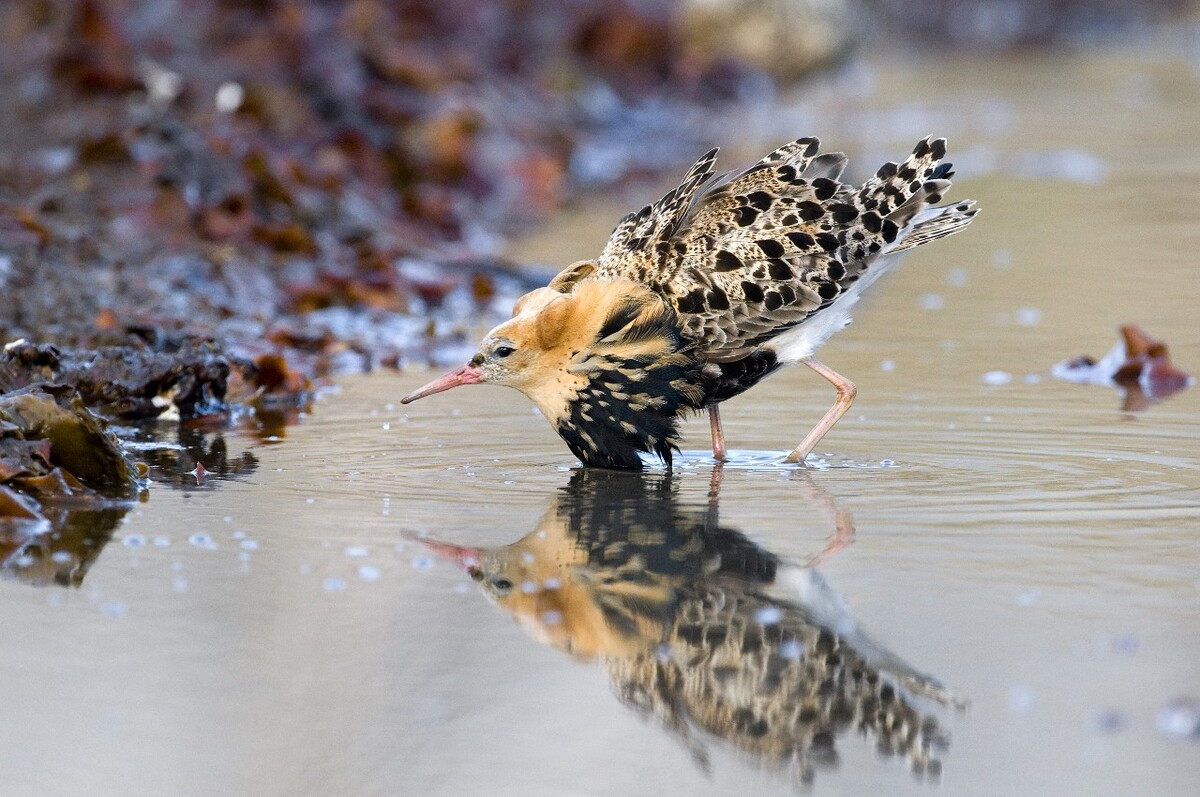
x=718 y=436
x=845 y=397
x=843 y=521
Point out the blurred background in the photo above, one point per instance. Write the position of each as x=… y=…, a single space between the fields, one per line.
x=340 y=180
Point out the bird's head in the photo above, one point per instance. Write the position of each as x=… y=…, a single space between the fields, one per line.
x=518 y=353
x=606 y=363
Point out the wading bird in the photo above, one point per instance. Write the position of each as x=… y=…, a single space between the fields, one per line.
x=699 y=296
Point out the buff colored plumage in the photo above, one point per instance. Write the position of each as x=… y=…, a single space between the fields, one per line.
x=699 y=296
x=697 y=626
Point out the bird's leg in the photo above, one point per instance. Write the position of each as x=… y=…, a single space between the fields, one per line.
x=845 y=397
x=843 y=521
x=718 y=436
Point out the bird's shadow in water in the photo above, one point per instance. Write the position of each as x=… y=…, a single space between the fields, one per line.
x=698 y=626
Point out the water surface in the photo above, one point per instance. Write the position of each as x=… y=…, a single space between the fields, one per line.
x=282 y=629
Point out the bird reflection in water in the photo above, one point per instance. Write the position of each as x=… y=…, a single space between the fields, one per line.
x=698 y=626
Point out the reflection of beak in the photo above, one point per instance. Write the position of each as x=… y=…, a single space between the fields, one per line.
x=467 y=375
x=466 y=558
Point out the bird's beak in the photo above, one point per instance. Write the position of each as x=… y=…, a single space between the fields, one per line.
x=467 y=375
x=466 y=558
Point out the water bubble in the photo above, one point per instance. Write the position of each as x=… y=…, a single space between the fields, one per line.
x=114 y=608
x=162 y=541
x=310 y=500
x=356 y=550
x=334 y=584
x=244 y=556
x=1107 y=720
x=1033 y=379
x=552 y=617
x=528 y=558
x=887 y=463
x=768 y=615
x=386 y=426
x=62 y=557
x=1127 y=644
x=552 y=583
x=997 y=378
x=932 y=301
x=1179 y=719
x=1028 y=316
x=422 y=562
x=791 y=649
x=1002 y=258
x=887 y=366
x=368 y=573
x=304 y=569
x=238 y=535
x=958 y=277
x=250 y=545
x=529 y=587
x=134 y=541
x=462 y=587
x=1029 y=597
x=1021 y=699
x=202 y=540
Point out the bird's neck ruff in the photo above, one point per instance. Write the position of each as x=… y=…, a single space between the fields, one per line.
x=635 y=380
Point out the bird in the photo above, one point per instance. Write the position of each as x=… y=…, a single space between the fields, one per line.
x=699 y=627
x=701 y=295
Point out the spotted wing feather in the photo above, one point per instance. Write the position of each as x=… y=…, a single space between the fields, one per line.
x=758 y=252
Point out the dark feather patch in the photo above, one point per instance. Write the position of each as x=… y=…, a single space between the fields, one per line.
x=624 y=314
x=659 y=388
x=752 y=291
x=770 y=247
x=824 y=187
x=727 y=261
x=802 y=240
x=810 y=211
x=760 y=199
x=745 y=216
x=741 y=375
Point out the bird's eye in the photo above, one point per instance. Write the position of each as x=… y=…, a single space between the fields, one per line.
x=502 y=584
x=504 y=351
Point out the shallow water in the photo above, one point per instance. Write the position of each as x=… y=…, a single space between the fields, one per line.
x=282 y=629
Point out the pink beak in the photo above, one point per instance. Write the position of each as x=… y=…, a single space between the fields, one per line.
x=466 y=558
x=467 y=375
